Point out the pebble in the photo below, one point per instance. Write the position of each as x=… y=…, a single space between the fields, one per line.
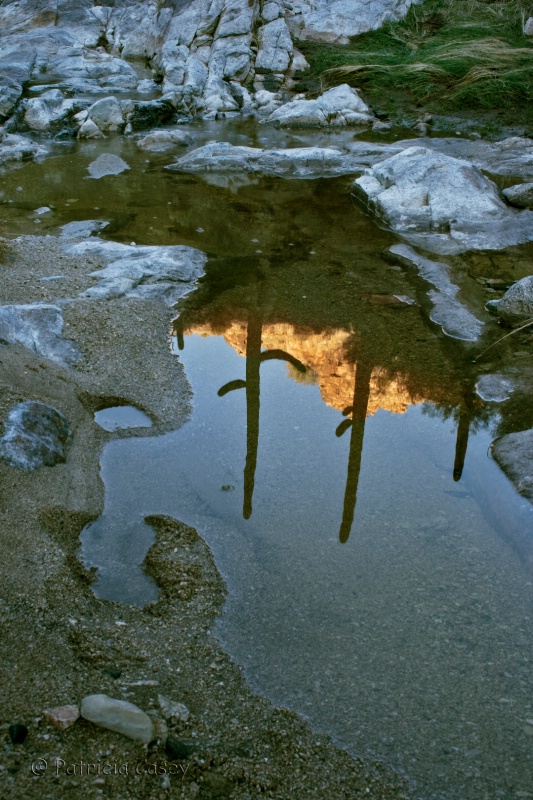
x=62 y=717
x=18 y=733
x=172 y=710
x=176 y=749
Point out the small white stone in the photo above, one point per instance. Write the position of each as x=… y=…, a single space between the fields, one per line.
x=119 y=716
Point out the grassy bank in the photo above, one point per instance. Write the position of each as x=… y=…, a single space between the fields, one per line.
x=447 y=56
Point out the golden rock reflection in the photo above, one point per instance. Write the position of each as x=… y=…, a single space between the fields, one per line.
x=326 y=354
x=345 y=372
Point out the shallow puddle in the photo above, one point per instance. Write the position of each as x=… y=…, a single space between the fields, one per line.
x=379 y=564
x=122 y=418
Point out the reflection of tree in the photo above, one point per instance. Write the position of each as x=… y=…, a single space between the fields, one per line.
x=254 y=359
x=358 y=413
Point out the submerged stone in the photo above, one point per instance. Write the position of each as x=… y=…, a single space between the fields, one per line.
x=118 y=716
x=454 y=318
x=107 y=164
x=36 y=435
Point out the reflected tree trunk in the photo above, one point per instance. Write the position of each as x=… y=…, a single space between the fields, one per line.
x=359 y=413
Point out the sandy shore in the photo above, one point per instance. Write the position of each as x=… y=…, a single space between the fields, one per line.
x=59 y=643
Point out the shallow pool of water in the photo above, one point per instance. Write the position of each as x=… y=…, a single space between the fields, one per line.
x=379 y=564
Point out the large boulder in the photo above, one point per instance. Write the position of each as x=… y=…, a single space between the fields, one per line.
x=49 y=111
x=516 y=306
x=297 y=162
x=514 y=454
x=442 y=203
x=338 y=20
x=337 y=108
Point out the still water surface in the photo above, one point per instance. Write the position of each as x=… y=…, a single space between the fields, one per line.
x=379 y=565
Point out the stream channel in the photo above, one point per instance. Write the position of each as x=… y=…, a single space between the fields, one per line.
x=378 y=562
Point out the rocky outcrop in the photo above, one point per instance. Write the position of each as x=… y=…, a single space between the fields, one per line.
x=338 y=20
x=210 y=57
x=340 y=107
x=514 y=454
x=441 y=203
x=516 y=306
x=145 y=272
x=297 y=162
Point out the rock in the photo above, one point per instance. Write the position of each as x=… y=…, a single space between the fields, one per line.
x=62 y=717
x=441 y=203
x=14 y=148
x=81 y=230
x=275 y=47
x=516 y=306
x=520 y=195
x=38 y=327
x=148 y=114
x=49 y=111
x=337 y=108
x=147 y=272
x=452 y=316
x=90 y=130
x=18 y=733
x=177 y=749
x=36 y=435
x=172 y=710
x=158 y=141
x=494 y=388
x=107 y=164
x=118 y=716
x=514 y=454
x=298 y=162
x=107 y=114
x=339 y=20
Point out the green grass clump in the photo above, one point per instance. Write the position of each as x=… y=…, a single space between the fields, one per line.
x=446 y=54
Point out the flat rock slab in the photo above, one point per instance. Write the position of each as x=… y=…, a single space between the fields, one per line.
x=452 y=316
x=38 y=327
x=297 y=162
x=514 y=454
x=107 y=164
x=36 y=435
x=440 y=203
x=146 y=272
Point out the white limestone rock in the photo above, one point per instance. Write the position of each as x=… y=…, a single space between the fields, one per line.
x=298 y=162
x=118 y=716
x=339 y=107
x=441 y=203
x=339 y=20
